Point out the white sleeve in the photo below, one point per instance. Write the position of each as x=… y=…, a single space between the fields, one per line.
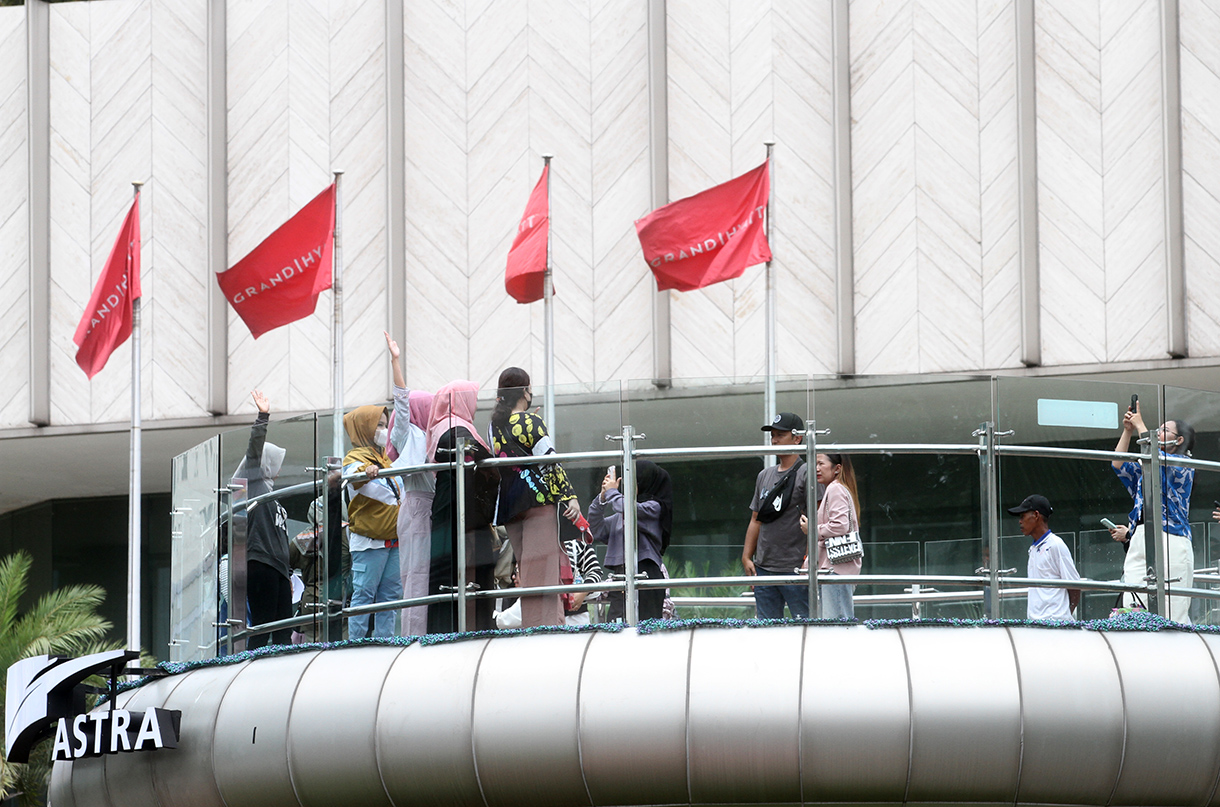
x=402 y=418
x=1067 y=569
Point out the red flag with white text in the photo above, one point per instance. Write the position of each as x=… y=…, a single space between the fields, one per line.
x=711 y=236
x=107 y=320
x=280 y=280
x=526 y=272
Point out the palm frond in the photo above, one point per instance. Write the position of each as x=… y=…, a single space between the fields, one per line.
x=61 y=622
x=14 y=576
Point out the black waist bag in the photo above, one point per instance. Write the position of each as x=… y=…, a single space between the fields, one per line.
x=779 y=498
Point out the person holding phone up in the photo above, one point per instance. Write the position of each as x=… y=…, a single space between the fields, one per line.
x=1173 y=437
x=654 y=515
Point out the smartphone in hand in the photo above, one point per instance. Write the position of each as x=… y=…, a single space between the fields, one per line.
x=1108 y=524
x=1135 y=399
x=611 y=471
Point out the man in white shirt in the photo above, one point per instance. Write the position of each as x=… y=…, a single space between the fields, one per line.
x=1049 y=559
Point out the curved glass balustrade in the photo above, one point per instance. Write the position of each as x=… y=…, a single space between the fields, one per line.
x=937 y=461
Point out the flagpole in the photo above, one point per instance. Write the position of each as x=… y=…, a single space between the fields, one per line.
x=135 y=489
x=337 y=331
x=769 y=313
x=548 y=309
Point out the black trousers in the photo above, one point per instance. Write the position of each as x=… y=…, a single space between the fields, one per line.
x=269 y=598
x=652 y=600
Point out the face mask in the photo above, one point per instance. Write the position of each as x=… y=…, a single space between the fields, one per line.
x=379 y=436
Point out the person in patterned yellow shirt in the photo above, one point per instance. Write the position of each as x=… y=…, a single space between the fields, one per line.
x=532 y=497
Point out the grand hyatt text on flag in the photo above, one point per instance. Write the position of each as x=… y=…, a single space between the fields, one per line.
x=107 y=320
x=526 y=272
x=280 y=280
x=709 y=237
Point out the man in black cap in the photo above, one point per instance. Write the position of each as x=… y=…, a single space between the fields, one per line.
x=774 y=542
x=1049 y=559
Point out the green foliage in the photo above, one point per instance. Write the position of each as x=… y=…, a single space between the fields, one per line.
x=63 y=622
x=691 y=569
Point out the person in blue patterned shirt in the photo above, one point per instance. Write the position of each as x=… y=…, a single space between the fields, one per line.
x=1175 y=437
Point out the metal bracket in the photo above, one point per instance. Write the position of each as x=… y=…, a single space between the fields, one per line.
x=618 y=438
x=983 y=570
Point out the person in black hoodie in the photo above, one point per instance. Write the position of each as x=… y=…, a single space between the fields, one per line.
x=268 y=590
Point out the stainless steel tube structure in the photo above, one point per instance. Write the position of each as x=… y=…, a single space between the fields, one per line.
x=779 y=715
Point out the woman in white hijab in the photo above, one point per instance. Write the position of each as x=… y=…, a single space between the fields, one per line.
x=268 y=585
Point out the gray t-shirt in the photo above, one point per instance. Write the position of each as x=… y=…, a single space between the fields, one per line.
x=781 y=544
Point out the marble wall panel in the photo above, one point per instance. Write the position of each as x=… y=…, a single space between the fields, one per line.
x=279 y=157
x=933 y=163
x=101 y=109
x=126 y=105
x=741 y=73
x=564 y=78
x=490 y=87
x=1199 y=26
x=1101 y=201
x=14 y=221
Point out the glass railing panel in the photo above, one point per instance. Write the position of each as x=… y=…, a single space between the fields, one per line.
x=924 y=498
x=269 y=506
x=1098 y=557
x=1195 y=418
x=899 y=409
x=1207 y=612
x=712 y=496
x=194 y=600
x=584 y=416
x=320 y=555
x=1069 y=414
x=709 y=411
x=893 y=556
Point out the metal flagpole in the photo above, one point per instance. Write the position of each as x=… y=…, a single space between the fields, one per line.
x=337 y=335
x=769 y=315
x=135 y=489
x=548 y=310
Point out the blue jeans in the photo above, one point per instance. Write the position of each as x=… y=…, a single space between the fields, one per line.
x=769 y=600
x=375 y=578
x=837 y=602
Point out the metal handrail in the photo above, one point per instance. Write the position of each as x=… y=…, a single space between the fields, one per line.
x=1013 y=587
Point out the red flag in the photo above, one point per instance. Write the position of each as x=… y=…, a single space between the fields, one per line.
x=709 y=237
x=527 y=257
x=280 y=280
x=107 y=320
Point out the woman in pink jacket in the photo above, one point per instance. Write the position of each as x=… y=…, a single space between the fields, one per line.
x=838 y=514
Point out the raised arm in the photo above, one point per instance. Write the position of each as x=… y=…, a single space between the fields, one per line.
x=258 y=436
x=400 y=380
x=1133 y=423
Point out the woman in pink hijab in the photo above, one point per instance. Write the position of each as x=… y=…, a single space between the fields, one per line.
x=406 y=447
x=452 y=419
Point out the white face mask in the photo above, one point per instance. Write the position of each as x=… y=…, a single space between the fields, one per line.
x=379 y=436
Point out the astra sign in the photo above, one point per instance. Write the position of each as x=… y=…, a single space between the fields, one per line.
x=109 y=731
x=45 y=693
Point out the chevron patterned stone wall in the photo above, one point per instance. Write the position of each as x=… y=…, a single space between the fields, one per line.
x=934 y=184
x=741 y=73
x=127 y=104
x=491 y=86
x=1199 y=24
x=14 y=222
x=1100 y=191
x=568 y=79
x=279 y=158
